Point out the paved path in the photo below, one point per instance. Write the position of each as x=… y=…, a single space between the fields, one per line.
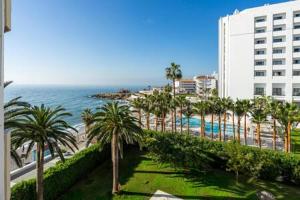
x=160 y=195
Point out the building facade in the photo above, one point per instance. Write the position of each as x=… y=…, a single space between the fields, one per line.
x=259 y=52
x=185 y=86
x=205 y=84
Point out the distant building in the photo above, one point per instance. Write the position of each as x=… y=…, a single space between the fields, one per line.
x=185 y=86
x=205 y=84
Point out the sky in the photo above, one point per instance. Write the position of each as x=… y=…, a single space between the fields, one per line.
x=113 y=42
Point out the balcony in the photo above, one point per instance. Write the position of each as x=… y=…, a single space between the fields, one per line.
x=279 y=22
x=279 y=33
x=260 y=46
x=296 y=31
x=296 y=43
x=297 y=20
x=279 y=55
x=279 y=44
x=296 y=54
x=260 y=35
x=261 y=24
x=260 y=56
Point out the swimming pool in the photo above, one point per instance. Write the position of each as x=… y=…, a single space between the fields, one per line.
x=195 y=123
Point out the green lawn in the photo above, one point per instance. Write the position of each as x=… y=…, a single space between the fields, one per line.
x=141 y=177
x=296 y=142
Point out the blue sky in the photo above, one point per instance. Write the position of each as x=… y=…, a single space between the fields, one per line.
x=113 y=42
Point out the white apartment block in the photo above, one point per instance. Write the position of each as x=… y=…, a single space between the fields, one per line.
x=205 y=84
x=185 y=86
x=259 y=52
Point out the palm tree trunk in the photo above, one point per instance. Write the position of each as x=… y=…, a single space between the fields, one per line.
x=40 y=171
x=148 y=120
x=188 y=125
x=220 y=129
x=274 y=134
x=172 y=121
x=212 y=127
x=245 y=127
x=203 y=126
x=239 y=130
x=200 y=127
x=174 y=95
x=233 y=126
x=115 y=162
x=224 y=132
x=289 y=137
x=258 y=135
x=140 y=117
x=156 y=122
x=161 y=124
x=181 y=123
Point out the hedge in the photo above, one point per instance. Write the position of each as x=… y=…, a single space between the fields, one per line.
x=197 y=154
x=59 y=178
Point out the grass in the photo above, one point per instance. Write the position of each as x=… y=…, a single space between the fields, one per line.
x=296 y=142
x=141 y=177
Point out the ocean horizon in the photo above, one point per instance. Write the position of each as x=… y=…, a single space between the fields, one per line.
x=73 y=98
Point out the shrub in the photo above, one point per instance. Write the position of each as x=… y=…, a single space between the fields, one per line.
x=196 y=153
x=63 y=175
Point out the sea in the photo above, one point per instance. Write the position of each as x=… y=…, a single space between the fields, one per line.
x=73 y=98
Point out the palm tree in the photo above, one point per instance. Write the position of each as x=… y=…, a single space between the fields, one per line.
x=274 y=110
x=259 y=115
x=232 y=108
x=87 y=118
x=246 y=107
x=211 y=111
x=181 y=102
x=288 y=114
x=201 y=108
x=219 y=111
x=41 y=127
x=13 y=112
x=226 y=104
x=147 y=107
x=174 y=73
x=239 y=111
x=138 y=104
x=114 y=124
x=188 y=112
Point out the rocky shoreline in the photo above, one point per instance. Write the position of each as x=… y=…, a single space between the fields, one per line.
x=121 y=95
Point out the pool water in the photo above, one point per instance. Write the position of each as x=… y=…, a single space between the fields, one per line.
x=196 y=123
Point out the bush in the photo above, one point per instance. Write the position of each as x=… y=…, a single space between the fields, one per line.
x=62 y=176
x=196 y=153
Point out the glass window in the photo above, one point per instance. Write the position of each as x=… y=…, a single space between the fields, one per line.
x=259 y=91
x=259 y=73
x=278 y=73
x=260 y=30
x=277 y=91
x=297 y=14
x=278 y=50
x=296 y=73
x=278 y=28
x=279 y=16
x=296 y=61
x=296 y=49
x=259 y=62
x=260 y=41
x=278 y=62
x=260 y=19
x=296 y=91
x=278 y=39
x=260 y=52
x=297 y=26
x=296 y=37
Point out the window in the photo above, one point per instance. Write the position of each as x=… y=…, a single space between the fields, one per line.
x=296 y=73
x=296 y=91
x=296 y=61
x=278 y=73
x=297 y=26
x=297 y=14
x=296 y=38
x=278 y=50
x=259 y=91
x=279 y=16
x=277 y=92
x=296 y=49
x=260 y=41
x=260 y=62
x=278 y=39
x=260 y=73
x=260 y=30
x=260 y=19
x=279 y=28
x=278 y=62
x=260 y=52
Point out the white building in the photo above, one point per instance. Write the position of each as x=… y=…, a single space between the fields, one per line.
x=185 y=86
x=259 y=52
x=205 y=84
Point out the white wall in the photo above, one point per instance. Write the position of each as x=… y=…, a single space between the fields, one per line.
x=236 y=51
